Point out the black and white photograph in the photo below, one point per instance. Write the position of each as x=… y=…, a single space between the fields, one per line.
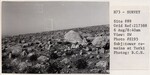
x=55 y=37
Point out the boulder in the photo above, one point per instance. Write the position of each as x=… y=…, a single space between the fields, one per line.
x=84 y=42
x=22 y=66
x=73 y=37
x=100 y=41
x=16 y=50
x=15 y=62
x=102 y=50
x=65 y=60
x=30 y=54
x=42 y=58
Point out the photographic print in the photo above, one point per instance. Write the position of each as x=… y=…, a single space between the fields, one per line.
x=65 y=37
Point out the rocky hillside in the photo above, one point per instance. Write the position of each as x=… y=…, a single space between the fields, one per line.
x=77 y=50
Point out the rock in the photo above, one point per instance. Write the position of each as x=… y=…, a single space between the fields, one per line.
x=91 y=56
x=100 y=41
x=65 y=50
x=107 y=71
x=69 y=66
x=30 y=54
x=28 y=63
x=65 y=60
x=10 y=56
x=101 y=64
x=25 y=45
x=107 y=55
x=84 y=42
x=81 y=53
x=59 y=53
x=90 y=38
x=29 y=49
x=89 y=53
x=39 y=65
x=16 y=50
x=73 y=37
x=75 y=46
x=85 y=34
x=89 y=63
x=64 y=54
x=15 y=62
x=102 y=51
x=87 y=49
x=85 y=55
x=23 y=41
x=94 y=52
x=42 y=58
x=73 y=56
x=55 y=51
x=94 y=70
x=23 y=54
x=22 y=66
x=98 y=57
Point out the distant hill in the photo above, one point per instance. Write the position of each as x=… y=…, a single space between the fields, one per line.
x=89 y=29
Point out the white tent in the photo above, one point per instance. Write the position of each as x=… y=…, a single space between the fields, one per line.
x=73 y=37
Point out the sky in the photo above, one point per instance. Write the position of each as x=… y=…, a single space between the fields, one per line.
x=32 y=17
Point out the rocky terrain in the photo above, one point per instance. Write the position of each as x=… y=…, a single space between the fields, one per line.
x=77 y=50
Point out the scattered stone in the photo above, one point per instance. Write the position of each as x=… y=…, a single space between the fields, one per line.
x=91 y=56
x=55 y=51
x=15 y=62
x=10 y=56
x=89 y=53
x=22 y=66
x=73 y=56
x=89 y=63
x=42 y=58
x=30 y=54
x=29 y=49
x=102 y=51
x=84 y=42
x=23 y=54
x=16 y=50
x=87 y=49
x=107 y=55
x=65 y=60
x=101 y=64
x=85 y=55
x=69 y=66
x=25 y=45
x=94 y=70
x=37 y=65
